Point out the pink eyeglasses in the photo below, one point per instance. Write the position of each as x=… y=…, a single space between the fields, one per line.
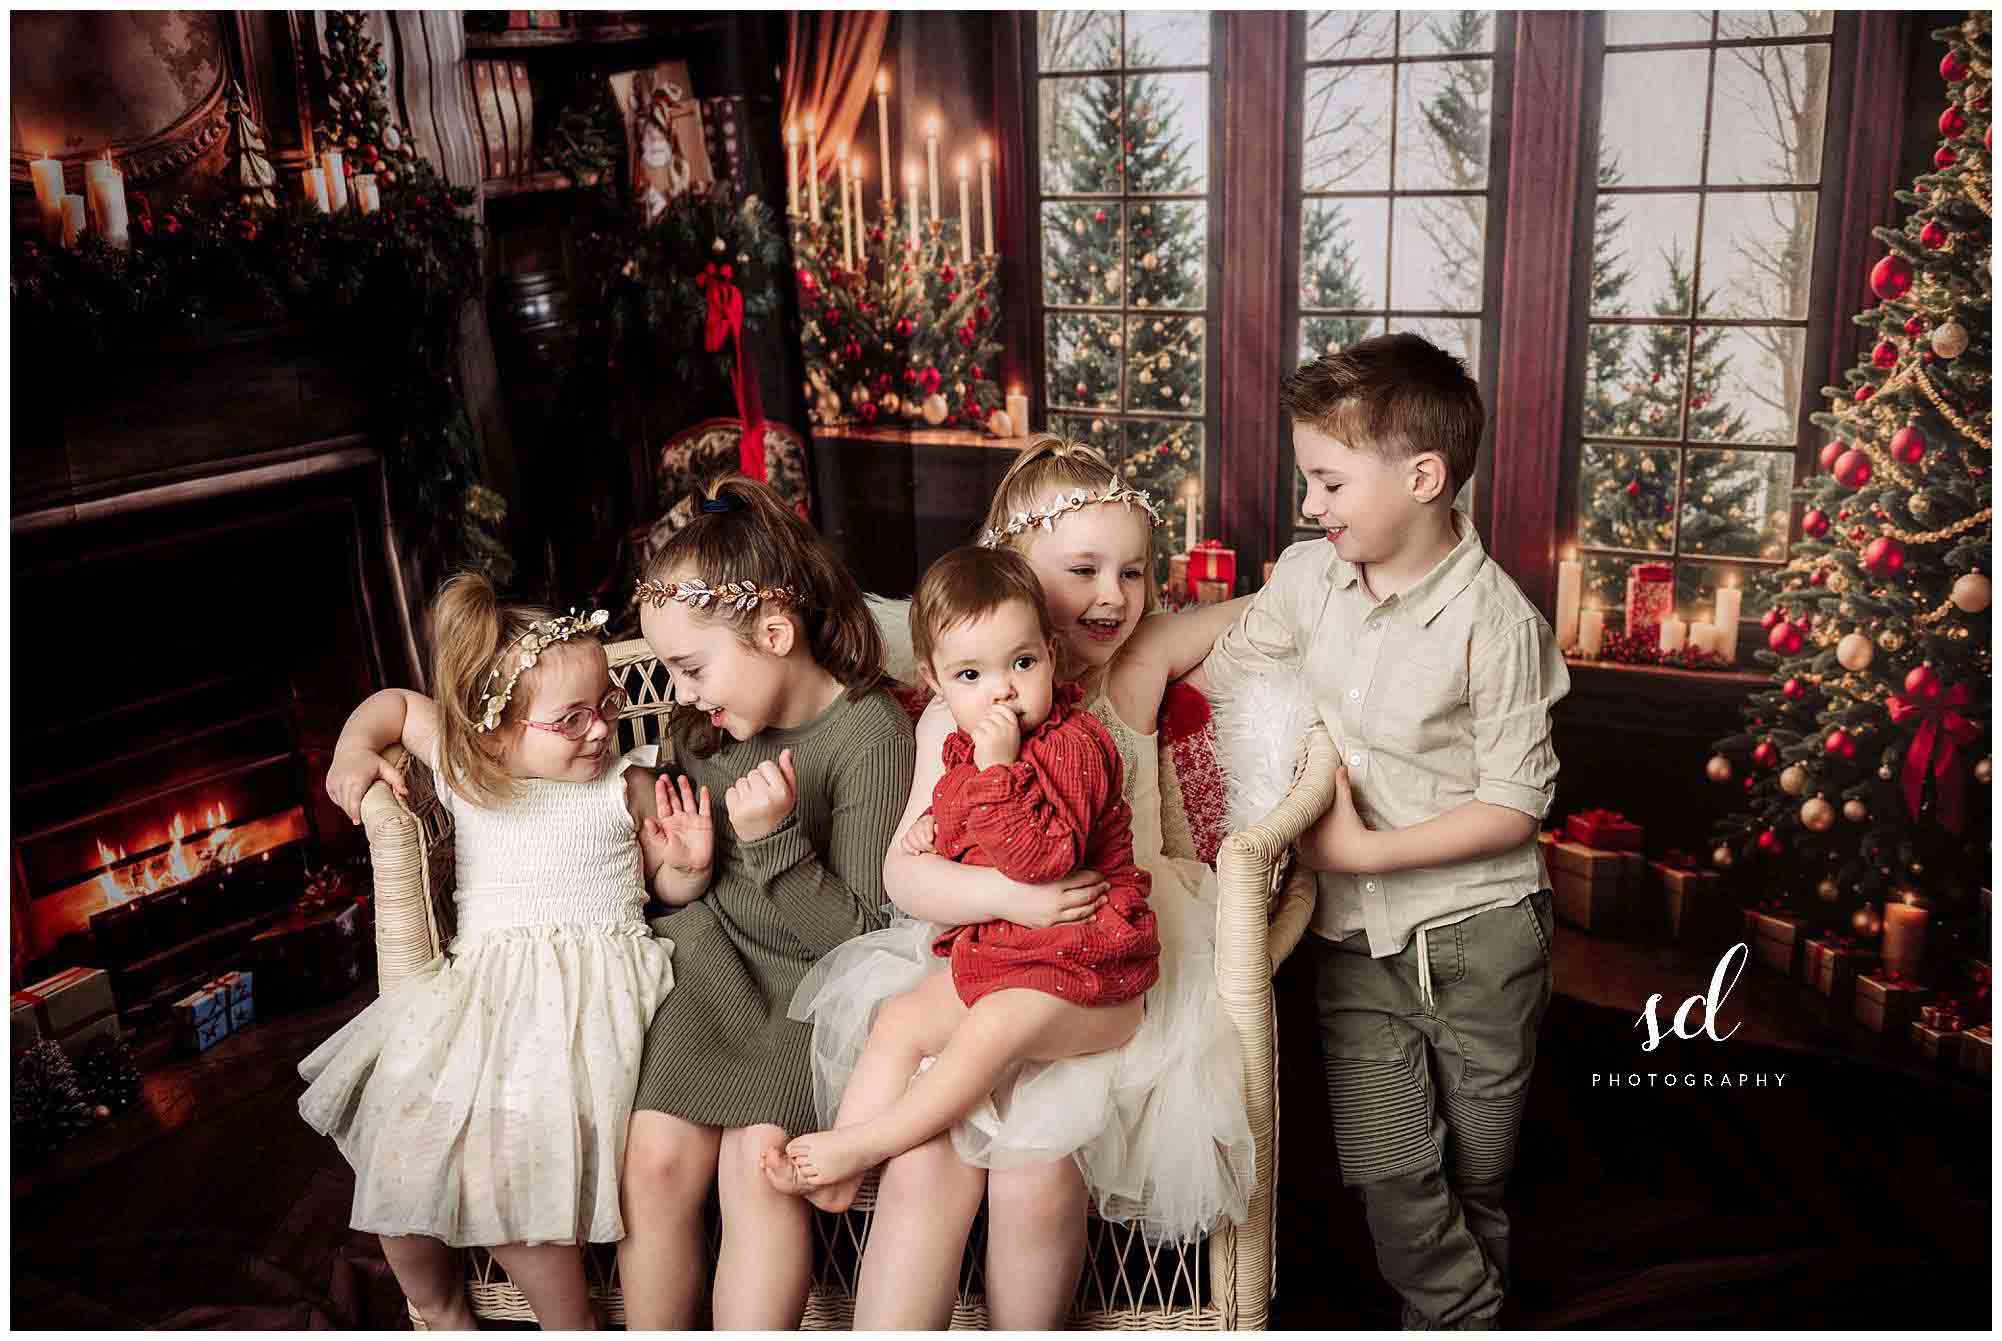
x=576 y=723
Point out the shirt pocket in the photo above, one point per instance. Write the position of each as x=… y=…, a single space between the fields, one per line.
x=1418 y=704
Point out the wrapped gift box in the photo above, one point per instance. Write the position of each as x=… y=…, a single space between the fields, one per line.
x=314 y=955
x=1607 y=830
x=1690 y=897
x=1775 y=939
x=241 y=1013
x=1210 y=592
x=1977 y=1050
x=1592 y=887
x=1650 y=599
x=1940 y=1046
x=201 y=1037
x=1829 y=964
x=1886 y=1005
x=1212 y=561
x=73 y=1007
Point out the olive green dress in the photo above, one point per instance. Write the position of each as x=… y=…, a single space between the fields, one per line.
x=720 y=1051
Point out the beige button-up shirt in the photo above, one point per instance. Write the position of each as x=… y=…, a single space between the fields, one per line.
x=1436 y=696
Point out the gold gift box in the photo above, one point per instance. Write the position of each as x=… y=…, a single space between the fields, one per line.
x=1590 y=886
x=1775 y=939
x=1882 y=1006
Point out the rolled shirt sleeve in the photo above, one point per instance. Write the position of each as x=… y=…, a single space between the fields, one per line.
x=1516 y=677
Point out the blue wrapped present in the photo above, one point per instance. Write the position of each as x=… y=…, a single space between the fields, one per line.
x=241 y=1013
x=201 y=1037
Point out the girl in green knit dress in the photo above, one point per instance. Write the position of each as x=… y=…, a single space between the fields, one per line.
x=777 y=671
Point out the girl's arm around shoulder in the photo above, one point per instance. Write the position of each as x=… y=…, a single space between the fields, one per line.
x=1163 y=648
x=387 y=717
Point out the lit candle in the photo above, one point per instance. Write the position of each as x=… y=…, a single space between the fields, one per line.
x=931 y=164
x=48 y=175
x=965 y=219
x=792 y=172
x=104 y=193
x=337 y=180
x=366 y=200
x=847 y=215
x=883 y=132
x=315 y=182
x=1674 y=632
x=1905 y=936
x=1189 y=543
x=1591 y=632
x=72 y=219
x=1570 y=585
x=1018 y=410
x=911 y=194
x=96 y=170
x=1703 y=636
x=855 y=180
x=812 y=169
x=1728 y=601
x=987 y=196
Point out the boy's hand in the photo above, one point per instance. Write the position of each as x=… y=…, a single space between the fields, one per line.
x=921 y=837
x=997 y=737
x=352 y=772
x=759 y=801
x=681 y=834
x=1341 y=840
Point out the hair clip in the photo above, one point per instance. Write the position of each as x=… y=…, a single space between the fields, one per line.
x=726 y=503
x=1046 y=517
x=538 y=638
x=732 y=595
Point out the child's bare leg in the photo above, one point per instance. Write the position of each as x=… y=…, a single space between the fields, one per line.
x=766 y=1263
x=433 y=1277
x=1035 y=1245
x=551 y=1277
x=663 y=1196
x=1016 y=1024
x=925 y=1204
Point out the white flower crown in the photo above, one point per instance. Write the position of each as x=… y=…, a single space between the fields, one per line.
x=539 y=637
x=1047 y=515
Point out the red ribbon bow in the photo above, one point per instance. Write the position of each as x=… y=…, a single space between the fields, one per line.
x=725 y=321
x=1942 y=730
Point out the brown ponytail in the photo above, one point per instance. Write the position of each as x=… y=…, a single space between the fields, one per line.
x=472 y=628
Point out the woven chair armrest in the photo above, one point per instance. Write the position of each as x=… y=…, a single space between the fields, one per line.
x=1255 y=935
x=406 y=930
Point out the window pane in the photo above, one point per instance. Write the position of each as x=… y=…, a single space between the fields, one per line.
x=1626 y=497
x=1167 y=249
x=1165 y=458
x=1342 y=253
x=1432 y=31
x=1657 y=25
x=1605 y=586
x=1349 y=34
x=1774 y=22
x=1077 y=39
x=1651 y=116
x=1758 y=254
x=1696 y=587
x=1633 y=381
x=1331 y=335
x=1081 y=251
x=1750 y=376
x=1642 y=247
x=1442 y=127
x=1735 y=503
x=1165 y=371
x=1167 y=127
x=1097 y=430
x=1083 y=357
x=1167 y=38
x=1437 y=253
x=1345 y=129
x=1081 y=140
x=1766 y=123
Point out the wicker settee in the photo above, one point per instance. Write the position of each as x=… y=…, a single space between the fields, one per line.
x=1224 y=1282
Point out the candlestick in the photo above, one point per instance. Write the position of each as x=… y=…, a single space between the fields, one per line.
x=855 y=183
x=366 y=199
x=48 y=175
x=931 y=164
x=1591 y=632
x=883 y=132
x=965 y=218
x=1905 y=937
x=72 y=219
x=314 y=180
x=1728 y=601
x=911 y=194
x=1570 y=585
x=95 y=170
x=1189 y=544
x=792 y=172
x=1018 y=410
x=847 y=214
x=1674 y=633
x=812 y=169
x=1702 y=636
x=987 y=197
x=104 y=194
x=337 y=180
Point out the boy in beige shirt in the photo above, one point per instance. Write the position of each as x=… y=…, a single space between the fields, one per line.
x=1436 y=677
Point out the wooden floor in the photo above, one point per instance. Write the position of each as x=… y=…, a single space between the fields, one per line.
x=1854 y=1195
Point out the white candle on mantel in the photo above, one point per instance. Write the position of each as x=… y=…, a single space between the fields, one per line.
x=72 y=219
x=1189 y=545
x=366 y=200
x=792 y=172
x=1728 y=602
x=883 y=132
x=1570 y=587
x=1018 y=410
x=1905 y=937
x=855 y=193
x=911 y=194
x=987 y=196
x=931 y=165
x=812 y=169
x=315 y=182
x=48 y=175
x=1674 y=632
x=1702 y=636
x=105 y=194
x=96 y=170
x=965 y=219
x=847 y=214
x=337 y=180
x=1591 y=632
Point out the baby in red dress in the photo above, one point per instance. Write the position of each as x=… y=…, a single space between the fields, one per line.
x=1033 y=788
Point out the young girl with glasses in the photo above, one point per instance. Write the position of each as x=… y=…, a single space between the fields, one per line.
x=483 y=1101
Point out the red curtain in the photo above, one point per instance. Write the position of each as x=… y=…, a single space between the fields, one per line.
x=831 y=62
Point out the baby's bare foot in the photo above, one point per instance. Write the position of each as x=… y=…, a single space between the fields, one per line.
x=831 y=1165
x=780 y=1173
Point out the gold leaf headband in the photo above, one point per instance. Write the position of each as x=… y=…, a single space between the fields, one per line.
x=540 y=636
x=1046 y=516
x=733 y=595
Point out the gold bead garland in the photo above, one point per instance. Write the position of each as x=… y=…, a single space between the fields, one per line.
x=1944 y=533
x=1966 y=429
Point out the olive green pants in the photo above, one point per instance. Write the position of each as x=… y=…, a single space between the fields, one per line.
x=1426 y=1097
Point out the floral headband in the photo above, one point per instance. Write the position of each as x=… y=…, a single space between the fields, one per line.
x=696 y=592
x=540 y=636
x=1046 y=517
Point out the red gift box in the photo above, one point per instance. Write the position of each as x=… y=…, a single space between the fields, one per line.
x=1605 y=829
x=1211 y=561
x=1650 y=599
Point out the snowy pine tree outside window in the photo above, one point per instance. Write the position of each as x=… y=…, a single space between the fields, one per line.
x=1692 y=390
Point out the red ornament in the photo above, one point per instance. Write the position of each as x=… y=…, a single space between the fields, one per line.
x=1915 y=327
x=1770 y=617
x=1831 y=451
x=248 y=229
x=1633 y=488
x=1864 y=393
x=1885 y=355
x=830 y=313
x=171 y=223
x=806 y=280
x=1099 y=217
x=868 y=413
x=1770 y=844
x=1951 y=122
x=1923 y=684
x=1840 y=744
x=1852 y=469
x=981 y=314
x=1785 y=639
x=1944 y=157
x=966 y=335
x=882 y=381
x=1819 y=577
x=1814 y=524
x=930 y=378
x=976 y=374
x=1765 y=755
x=910 y=377
x=1794 y=690
x=851 y=351
x=905 y=327
x=1909 y=446
x=1952 y=68
x=1891 y=277
x=368 y=151
x=1884 y=556
x=947 y=275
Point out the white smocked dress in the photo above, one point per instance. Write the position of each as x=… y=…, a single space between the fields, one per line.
x=1157 y=1127
x=484 y=1099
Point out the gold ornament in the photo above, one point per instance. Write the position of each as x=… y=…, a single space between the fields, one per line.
x=1721 y=858
x=1818 y=815
x=859 y=396
x=1793 y=779
x=1971 y=592
x=1890 y=640
x=1855 y=811
x=1828 y=891
x=935 y=409
x=1867 y=922
x=1920 y=505
x=1838 y=582
x=1949 y=340
x=1984 y=771
x=1855 y=652
x=1718 y=769
x=890 y=402
x=1884 y=773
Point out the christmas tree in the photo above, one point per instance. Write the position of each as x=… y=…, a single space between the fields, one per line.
x=250 y=173
x=49 y=1102
x=108 y=1074
x=1865 y=761
x=361 y=128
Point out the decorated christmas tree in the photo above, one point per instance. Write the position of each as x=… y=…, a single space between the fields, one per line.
x=1865 y=762
x=361 y=128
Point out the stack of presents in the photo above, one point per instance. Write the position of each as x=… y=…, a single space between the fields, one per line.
x=1603 y=882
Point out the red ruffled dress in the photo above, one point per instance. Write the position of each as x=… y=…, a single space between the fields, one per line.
x=1058 y=808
